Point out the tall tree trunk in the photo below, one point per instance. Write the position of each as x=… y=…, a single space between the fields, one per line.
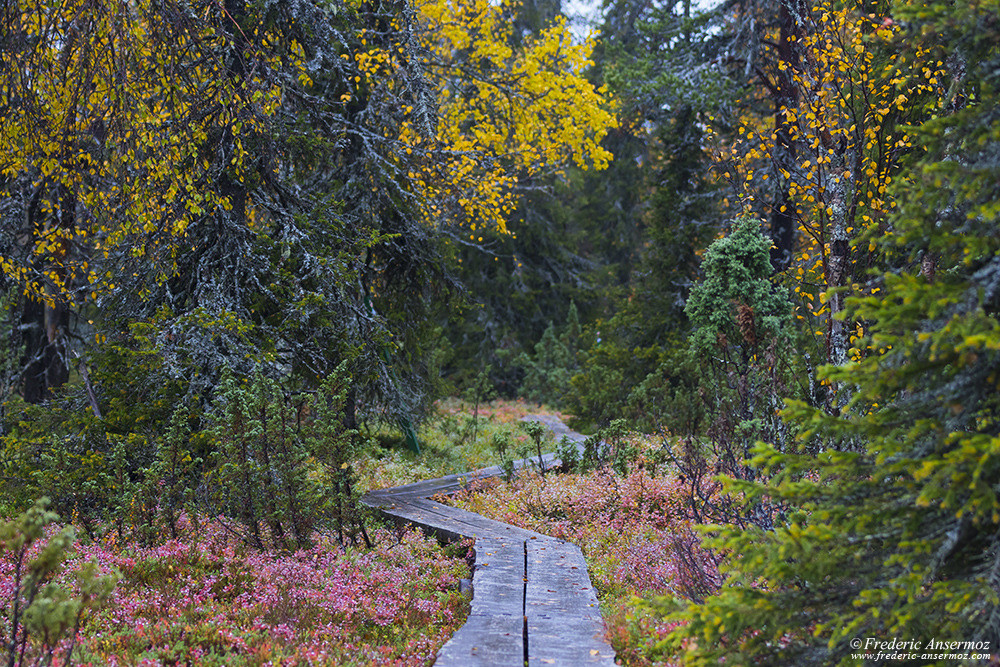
x=839 y=263
x=45 y=323
x=785 y=95
x=33 y=386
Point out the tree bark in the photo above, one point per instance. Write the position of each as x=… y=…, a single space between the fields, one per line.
x=785 y=95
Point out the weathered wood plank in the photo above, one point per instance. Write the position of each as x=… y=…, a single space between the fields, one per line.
x=485 y=641
x=436 y=514
x=498 y=554
x=552 y=642
x=563 y=616
x=557 y=578
x=498 y=578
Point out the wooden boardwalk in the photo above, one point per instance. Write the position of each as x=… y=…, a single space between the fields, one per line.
x=532 y=602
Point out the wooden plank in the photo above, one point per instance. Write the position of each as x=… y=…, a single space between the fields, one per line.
x=474 y=524
x=485 y=641
x=446 y=528
x=564 y=621
x=498 y=554
x=451 y=484
x=557 y=578
x=498 y=578
x=498 y=599
x=494 y=633
x=553 y=642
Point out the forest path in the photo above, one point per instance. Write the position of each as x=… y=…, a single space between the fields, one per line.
x=532 y=602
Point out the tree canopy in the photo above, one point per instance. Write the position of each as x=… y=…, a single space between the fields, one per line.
x=249 y=179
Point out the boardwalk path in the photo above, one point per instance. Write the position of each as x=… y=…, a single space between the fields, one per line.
x=532 y=598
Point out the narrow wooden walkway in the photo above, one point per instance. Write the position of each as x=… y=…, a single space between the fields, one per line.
x=532 y=602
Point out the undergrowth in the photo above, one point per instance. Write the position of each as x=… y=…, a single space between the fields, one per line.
x=635 y=527
x=455 y=439
x=206 y=599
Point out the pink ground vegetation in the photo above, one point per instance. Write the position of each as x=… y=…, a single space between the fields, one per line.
x=636 y=534
x=206 y=600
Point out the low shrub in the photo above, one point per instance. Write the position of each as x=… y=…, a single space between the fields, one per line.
x=206 y=599
x=43 y=611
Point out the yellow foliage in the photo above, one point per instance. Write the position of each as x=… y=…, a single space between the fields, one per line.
x=845 y=132
x=121 y=111
x=135 y=121
x=506 y=115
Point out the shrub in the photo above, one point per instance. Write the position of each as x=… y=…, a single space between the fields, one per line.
x=549 y=371
x=723 y=393
x=569 y=455
x=610 y=446
x=539 y=434
x=40 y=615
x=282 y=462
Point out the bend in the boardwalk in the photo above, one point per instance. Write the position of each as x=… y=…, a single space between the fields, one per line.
x=533 y=602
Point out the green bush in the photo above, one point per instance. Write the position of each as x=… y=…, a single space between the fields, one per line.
x=503 y=444
x=569 y=455
x=733 y=378
x=610 y=446
x=281 y=461
x=40 y=613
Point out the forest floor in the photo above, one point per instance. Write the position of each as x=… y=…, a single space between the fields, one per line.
x=205 y=599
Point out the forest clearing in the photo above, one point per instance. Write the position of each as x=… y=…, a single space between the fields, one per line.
x=276 y=275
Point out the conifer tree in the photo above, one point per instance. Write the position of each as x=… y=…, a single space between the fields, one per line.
x=892 y=528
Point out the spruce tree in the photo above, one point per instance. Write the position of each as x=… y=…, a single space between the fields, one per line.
x=892 y=527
